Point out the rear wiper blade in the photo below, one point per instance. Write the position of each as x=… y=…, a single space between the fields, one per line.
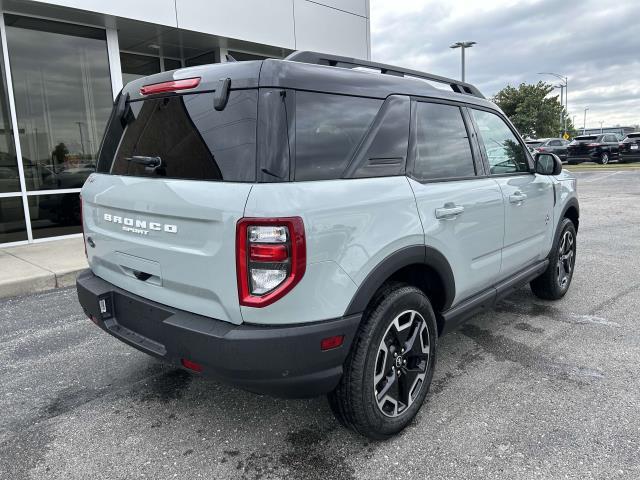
x=151 y=162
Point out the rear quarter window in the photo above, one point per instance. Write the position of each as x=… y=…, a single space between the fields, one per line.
x=329 y=128
x=192 y=140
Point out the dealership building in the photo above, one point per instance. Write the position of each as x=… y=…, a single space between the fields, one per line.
x=63 y=62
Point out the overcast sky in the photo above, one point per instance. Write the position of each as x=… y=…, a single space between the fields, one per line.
x=595 y=43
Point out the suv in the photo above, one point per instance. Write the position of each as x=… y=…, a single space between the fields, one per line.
x=301 y=227
x=557 y=146
x=630 y=148
x=593 y=148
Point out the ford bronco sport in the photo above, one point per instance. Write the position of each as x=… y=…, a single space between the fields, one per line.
x=313 y=225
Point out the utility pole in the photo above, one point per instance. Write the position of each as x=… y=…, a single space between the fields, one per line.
x=565 y=79
x=463 y=46
x=584 y=121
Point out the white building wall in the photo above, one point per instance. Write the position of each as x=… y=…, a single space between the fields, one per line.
x=333 y=26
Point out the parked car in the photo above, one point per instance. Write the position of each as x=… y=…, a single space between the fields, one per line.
x=593 y=148
x=330 y=264
x=557 y=146
x=630 y=148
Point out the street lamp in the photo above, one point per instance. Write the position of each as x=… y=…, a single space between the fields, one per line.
x=566 y=92
x=463 y=46
x=584 y=121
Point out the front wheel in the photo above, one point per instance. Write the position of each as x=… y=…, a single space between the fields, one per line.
x=554 y=282
x=389 y=369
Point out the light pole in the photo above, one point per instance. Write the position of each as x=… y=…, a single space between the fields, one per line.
x=463 y=46
x=601 y=122
x=562 y=117
x=566 y=92
x=584 y=121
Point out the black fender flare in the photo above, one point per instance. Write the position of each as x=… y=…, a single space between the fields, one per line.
x=414 y=254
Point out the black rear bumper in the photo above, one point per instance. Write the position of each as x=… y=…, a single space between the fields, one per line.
x=283 y=361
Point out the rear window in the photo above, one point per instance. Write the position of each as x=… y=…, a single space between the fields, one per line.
x=588 y=138
x=184 y=137
x=328 y=131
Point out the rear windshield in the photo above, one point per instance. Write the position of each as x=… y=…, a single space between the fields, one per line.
x=633 y=135
x=184 y=137
x=586 y=138
x=534 y=144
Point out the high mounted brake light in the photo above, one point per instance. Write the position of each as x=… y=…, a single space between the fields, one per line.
x=271 y=258
x=170 y=86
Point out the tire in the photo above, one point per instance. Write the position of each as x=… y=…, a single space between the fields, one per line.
x=604 y=158
x=554 y=283
x=399 y=315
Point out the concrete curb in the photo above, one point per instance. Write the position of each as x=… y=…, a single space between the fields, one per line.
x=40 y=267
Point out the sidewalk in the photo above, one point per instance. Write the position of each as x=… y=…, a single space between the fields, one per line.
x=40 y=266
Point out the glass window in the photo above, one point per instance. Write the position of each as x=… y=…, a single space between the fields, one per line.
x=328 y=130
x=9 y=176
x=504 y=152
x=171 y=64
x=137 y=66
x=63 y=98
x=443 y=149
x=187 y=138
x=204 y=59
x=55 y=215
x=13 y=228
x=243 y=57
x=555 y=143
x=384 y=151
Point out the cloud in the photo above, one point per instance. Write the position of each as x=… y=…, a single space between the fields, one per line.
x=596 y=44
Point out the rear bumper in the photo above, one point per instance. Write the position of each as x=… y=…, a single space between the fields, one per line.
x=282 y=361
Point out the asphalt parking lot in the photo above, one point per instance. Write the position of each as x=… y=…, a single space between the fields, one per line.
x=532 y=389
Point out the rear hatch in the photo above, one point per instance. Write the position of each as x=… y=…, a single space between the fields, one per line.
x=173 y=177
x=580 y=145
x=631 y=144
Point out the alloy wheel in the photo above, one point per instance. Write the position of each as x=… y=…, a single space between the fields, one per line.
x=604 y=158
x=566 y=259
x=401 y=363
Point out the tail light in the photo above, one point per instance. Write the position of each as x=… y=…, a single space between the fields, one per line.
x=593 y=145
x=170 y=86
x=271 y=258
x=541 y=149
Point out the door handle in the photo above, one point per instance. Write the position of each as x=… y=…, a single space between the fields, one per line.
x=517 y=197
x=449 y=210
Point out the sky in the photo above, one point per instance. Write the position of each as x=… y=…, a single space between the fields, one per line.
x=594 y=43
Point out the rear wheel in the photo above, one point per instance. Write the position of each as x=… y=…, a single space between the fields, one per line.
x=604 y=158
x=555 y=281
x=389 y=370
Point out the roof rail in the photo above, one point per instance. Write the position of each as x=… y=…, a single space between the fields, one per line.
x=346 y=62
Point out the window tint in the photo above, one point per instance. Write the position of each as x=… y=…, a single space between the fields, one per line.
x=384 y=151
x=504 y=152
x=443 y=149
x=555 y=143
x=328 y=130
x=191 y=138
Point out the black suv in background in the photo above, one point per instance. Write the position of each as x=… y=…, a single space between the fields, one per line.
x=593 y=148
x=630 y=148
x=549 y=145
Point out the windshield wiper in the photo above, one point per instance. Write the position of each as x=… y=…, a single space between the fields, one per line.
x=149 y=162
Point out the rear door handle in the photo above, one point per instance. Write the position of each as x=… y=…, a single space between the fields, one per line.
x=517 y=197
x=449 y=210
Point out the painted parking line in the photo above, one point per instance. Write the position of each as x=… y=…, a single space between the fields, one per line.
x=602 y=177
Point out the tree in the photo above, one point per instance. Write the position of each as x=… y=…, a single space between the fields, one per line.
x=531 y=109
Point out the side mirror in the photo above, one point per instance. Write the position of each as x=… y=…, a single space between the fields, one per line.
x=548 y=164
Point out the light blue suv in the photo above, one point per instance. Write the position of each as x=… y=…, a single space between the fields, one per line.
x=307 y=226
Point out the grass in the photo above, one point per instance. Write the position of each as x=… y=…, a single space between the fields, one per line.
x=585 y=167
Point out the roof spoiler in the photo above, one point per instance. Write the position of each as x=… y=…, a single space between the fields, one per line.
x=346 y=62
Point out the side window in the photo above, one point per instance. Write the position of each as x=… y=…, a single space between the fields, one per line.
x=384 y=149
x=328 y=130
x=555 y=143
x=442 y=143
x=504 y=152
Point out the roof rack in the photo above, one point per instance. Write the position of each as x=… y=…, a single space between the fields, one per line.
x=346 y=62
